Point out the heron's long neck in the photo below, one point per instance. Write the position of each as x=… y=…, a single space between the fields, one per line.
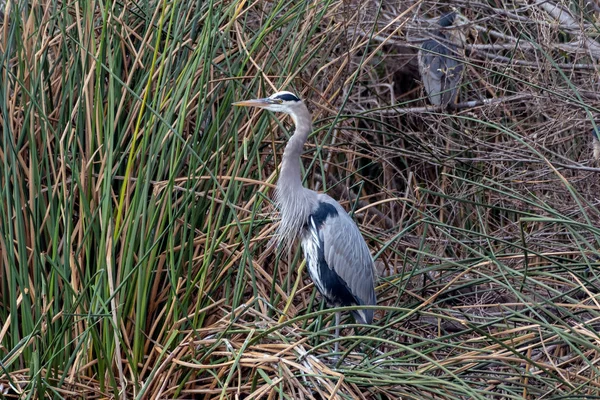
x=289 y=176
x=295 y=202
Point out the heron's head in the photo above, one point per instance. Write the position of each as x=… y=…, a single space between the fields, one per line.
x=447 y=20
x=285 y=102
x=596 y=131
x=456 y=27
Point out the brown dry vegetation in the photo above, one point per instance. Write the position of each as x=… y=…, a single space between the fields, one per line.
x=134 y=239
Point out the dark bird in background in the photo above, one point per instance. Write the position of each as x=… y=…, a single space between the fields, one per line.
x=440 y=62
x=337 y=257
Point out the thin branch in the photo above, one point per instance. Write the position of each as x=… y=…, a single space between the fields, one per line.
x=459 y=106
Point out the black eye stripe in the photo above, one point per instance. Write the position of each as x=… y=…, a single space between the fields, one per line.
x=287 y=97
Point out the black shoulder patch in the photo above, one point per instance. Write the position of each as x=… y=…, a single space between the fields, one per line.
x=287 y=97
x=323 y=211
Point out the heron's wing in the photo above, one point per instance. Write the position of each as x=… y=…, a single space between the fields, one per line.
x=453 y=69
x=346 y=252
x=440 y=72
x=430 y=70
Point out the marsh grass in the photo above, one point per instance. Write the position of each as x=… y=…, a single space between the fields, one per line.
x=136 y=210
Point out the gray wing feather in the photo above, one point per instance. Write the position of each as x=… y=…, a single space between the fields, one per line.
x=348 y=255
x=441 y=73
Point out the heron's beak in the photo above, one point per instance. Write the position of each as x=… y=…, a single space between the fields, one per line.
x=253 y=103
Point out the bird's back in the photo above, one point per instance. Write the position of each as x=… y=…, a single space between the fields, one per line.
x=441 y=72
x=338 y=258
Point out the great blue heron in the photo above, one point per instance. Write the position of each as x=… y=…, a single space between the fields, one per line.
x=596 y=142
x=337 y=257
x=439 y=63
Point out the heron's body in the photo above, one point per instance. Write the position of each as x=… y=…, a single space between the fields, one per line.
x=329 y=240
x=337 y=257
x=440 y=64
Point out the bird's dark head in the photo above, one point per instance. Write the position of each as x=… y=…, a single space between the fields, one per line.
x=447 y=20
x=286 y=102
x=596 y=131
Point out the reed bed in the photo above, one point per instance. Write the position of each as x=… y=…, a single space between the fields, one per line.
x=136 y=216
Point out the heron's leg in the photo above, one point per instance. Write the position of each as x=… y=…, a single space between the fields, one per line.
x=338 y=318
